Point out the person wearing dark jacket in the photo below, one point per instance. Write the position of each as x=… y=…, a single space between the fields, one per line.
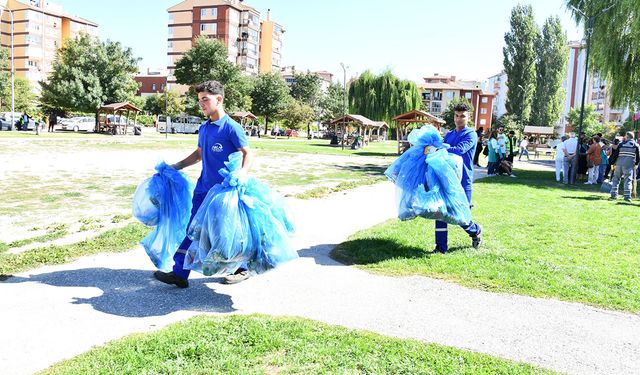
x=628 y=159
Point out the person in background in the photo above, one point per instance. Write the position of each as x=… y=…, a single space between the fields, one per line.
x=494 y=156
x=628 y=159
x=604 y=160
x=476 y=156
x=560 y=159
x=570 y=149
x=593 y=160
x=523 y=148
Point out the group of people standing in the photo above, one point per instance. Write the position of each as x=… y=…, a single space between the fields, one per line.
x=596 y=158
x=500 y=147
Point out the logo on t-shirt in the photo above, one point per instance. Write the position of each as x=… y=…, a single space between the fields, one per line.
x=217 y=147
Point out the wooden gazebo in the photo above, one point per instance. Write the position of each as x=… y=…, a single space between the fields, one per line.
x=245 y=119
x=538 y=133
x=405 y=120
x=117 y=124
x=364 y=125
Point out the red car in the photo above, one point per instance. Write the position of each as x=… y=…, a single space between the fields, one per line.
x=291 y=133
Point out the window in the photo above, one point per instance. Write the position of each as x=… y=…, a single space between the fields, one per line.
x=171 y=18
x=169 y=44
x=451 y=94
x=426 y=95
x=437 y=95
x=214 y=12
x=483 y=111
x=33 y=39
x=203 y=27
x=485 y=99
x=483 y=122
x=153 y=87
x=213 y=27
x=468 y=95
x=203 y=12
x=436 y=107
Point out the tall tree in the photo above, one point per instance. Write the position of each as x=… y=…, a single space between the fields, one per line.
x=306 y=88
x=551 y=70
x=270 y=97
x=519 y=62
x=88 y=73
x=332 y=103
x=448 y=114
x=207 y=60
x=169 y=103
x=591 y=124
x=383 y=97
x=298 y=114
x=615 y=43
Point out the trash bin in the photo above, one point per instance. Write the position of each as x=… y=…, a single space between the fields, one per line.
x=334 y=140
x=137 y=130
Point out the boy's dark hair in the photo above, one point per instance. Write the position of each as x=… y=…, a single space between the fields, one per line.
x=461 y=107
x=211 y=87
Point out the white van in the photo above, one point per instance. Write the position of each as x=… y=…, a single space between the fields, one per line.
x=164 y=122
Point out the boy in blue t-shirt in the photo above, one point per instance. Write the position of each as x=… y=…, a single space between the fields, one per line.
x=218 y=137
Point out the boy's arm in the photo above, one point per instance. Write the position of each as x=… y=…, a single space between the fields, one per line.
x=247 y=160
x=190 y=160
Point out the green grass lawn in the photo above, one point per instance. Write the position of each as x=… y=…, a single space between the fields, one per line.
x=259 y=344
x=115 y=240
x=541 y=239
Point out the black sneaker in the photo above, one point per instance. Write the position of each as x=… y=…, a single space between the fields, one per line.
x=438 y=249
x=476 y=241
x=171 y=278
x=627 y=199
x=240 y=275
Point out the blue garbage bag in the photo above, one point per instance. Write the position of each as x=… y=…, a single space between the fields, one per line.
x=239 y=222
x=427 y=180
x=164 y=202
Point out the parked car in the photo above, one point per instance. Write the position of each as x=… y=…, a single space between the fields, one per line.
x=76 y=124
x=5 y=120
x=291 y=133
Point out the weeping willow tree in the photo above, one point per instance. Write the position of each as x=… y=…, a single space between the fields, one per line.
x=382 y=97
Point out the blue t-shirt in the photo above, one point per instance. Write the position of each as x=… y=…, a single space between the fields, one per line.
x=218 y=140
x=463 y=143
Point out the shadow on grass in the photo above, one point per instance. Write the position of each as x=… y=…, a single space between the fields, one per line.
x=134 y=293
x=372 y=251
x=372 y=169
x=588 y=198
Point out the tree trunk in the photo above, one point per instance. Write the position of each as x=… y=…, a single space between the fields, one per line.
x=266 y=124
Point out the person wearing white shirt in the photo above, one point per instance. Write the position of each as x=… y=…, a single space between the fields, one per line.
x=502 y=142
x=523 y=149
x=570 y=148
x=560 y=158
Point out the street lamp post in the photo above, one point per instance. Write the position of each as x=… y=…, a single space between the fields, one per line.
x=166 y=107
x=589 y=20
x=344 y=118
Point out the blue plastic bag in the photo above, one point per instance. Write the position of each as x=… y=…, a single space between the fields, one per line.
x=427 y=180
x=239 y=222
x=164 y=201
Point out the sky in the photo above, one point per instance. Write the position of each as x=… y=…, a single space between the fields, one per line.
x=412 y=38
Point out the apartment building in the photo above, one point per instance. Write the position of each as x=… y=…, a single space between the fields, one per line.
x=438 y=91
x=152 y=82
x=596 y=89
x=254 y=45
x=270 y=45
x=39 y=28
x=288 y=74
x=497 y=84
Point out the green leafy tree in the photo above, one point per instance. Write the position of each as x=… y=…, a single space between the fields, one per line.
x=24 y=98
x=138 y=101
x=448 y=113
x=169 y=103
x=383 y=97
x=88 y=73
x=298 y=114
x=519 y=63
x=591 y=123
x=551 y=70
x=206 y=61
x=508 y=122
x=270 y=97
x=615 y=43
x=306 y=88
x=333 y=103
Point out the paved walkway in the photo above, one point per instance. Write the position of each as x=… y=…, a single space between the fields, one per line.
x=57 y=312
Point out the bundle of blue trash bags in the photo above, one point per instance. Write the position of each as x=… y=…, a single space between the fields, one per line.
x=241 y=222
x=427 y=180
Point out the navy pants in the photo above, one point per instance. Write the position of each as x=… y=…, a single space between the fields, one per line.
x=442 y=230
x=178 y=257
